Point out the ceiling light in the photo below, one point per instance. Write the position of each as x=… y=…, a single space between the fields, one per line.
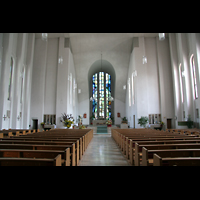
x=161 y=36
x=44 y=36
x=144 y=59
x=60 y=60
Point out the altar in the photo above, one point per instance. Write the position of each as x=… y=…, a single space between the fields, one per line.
x=98 y=122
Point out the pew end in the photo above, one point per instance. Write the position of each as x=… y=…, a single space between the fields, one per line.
x=156 y=160
x=57 y=160
x=144 y=156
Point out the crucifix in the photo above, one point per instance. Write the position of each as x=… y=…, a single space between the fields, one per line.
x=4 y=117
x=18 y=118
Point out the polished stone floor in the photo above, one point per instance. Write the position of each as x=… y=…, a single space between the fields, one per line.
x=103 y=151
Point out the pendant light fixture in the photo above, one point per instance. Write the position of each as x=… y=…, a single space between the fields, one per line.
x=44 y=36
x=161 y=36
x=144 y=60
x=60 y=60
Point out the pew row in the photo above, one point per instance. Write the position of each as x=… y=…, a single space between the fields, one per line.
x=129 y=140
x=180 y=161
x=30 y=161
x=45 y=145
x=147 y=155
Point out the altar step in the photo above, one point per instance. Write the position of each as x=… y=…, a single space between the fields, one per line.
x=102 y=129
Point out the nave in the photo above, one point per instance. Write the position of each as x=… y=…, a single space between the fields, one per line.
x=103 y=151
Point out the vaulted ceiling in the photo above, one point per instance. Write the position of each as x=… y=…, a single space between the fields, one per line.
x=87 y=48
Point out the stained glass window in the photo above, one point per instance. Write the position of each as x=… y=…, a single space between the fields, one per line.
x=94 y=92
x=101 y=94
x=108 y=95
x=101 y=104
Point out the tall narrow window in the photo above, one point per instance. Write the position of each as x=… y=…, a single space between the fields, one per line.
x=129 y=91
x=101 y=94
x=194 y=77
x=101 y=103
x=133 y=92
x=181 y=82
x=94 y=92
x=10 y=79
x=22 y=85
x=108 y=95
x=70 y=88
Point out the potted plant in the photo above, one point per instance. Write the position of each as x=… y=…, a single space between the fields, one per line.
x=91 y=118
x=189 y=122
x=82 y=127
x=162 y=124
x=42 y=124
x=124 y=120
x=143 y=121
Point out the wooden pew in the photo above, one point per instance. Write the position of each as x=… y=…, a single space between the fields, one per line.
x=24 y=153
x=72 y=145
x=49 y=140
x=35 y=147
x=160 y=147
x=56 y=138
x=16 y=132
x=136 y=150
x=126 y=138
x=147 y=155
x=189 y=161
x=30 y=161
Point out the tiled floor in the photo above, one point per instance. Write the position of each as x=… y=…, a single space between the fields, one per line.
x=103 y=151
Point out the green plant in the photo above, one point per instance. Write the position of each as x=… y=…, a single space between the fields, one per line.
x=143 y=121
x=124 y=119
x=189 y=122
x=82 y=127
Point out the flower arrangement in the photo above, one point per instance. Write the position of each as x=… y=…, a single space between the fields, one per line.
x=82 y=127
x=109 y=122
x=68 y=120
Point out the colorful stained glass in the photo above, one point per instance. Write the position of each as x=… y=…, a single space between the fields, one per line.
x=94 y=94
x=108 y=95
x=104 y=95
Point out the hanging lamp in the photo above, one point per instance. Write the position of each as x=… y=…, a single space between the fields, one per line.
x=161 y=36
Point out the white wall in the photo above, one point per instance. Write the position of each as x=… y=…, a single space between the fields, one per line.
x=65 y=103
x=152 y=85
x=51 y=77
x=38 y=80
x=182 y=46
x=119 y=106
x=20 y=48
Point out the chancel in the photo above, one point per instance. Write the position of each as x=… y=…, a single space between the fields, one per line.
x=101 y=79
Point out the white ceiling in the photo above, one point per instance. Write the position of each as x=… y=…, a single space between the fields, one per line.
x=87 y=49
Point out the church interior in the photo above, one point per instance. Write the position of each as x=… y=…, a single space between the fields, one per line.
x=104 y=82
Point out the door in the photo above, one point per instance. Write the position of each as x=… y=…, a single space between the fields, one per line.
x=35 y=124
x=133 y=121
x=169 y=123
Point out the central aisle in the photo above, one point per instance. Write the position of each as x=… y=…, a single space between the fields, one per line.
x=103 y=151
